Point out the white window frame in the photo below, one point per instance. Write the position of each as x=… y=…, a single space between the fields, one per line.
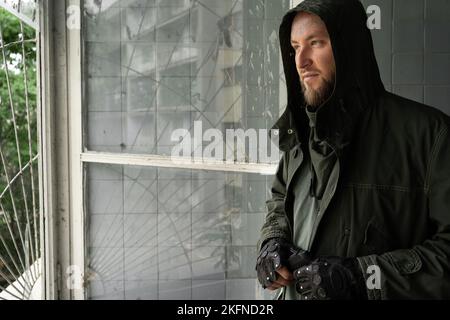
x=60 y=143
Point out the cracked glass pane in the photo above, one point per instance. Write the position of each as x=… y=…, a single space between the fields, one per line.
x=153 y=67
x=173 y=233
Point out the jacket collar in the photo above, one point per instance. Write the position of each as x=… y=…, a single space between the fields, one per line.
x=288 y=137
x=335 y=123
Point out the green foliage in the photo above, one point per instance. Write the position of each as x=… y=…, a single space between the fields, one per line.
x=10 y=126
x=11 y=32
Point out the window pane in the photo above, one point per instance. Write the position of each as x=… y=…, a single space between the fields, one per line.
x=152 y=67
x=173 y=234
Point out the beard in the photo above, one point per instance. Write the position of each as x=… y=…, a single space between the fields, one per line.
x=315 y=98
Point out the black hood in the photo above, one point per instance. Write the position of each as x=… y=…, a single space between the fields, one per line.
x=358 y=82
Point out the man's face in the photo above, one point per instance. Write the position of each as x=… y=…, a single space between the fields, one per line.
x=314 y=58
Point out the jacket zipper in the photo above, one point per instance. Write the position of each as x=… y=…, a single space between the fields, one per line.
x=319 y=214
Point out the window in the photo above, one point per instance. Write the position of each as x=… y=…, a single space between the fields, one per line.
x=159 y=228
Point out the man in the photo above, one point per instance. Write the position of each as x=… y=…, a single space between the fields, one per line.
x=360 y=203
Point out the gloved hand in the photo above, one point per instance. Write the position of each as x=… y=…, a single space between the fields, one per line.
x=276 y=261
x=330 y=278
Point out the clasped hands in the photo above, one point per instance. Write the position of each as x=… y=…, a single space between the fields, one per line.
x=280 y=264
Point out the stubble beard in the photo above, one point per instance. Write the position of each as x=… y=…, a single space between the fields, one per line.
x=315 y=98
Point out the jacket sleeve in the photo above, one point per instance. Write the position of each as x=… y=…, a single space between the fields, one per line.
x=423 y=271
x=276 y=223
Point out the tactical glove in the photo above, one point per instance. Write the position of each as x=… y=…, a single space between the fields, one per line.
x=330 y=278
x=275 y=254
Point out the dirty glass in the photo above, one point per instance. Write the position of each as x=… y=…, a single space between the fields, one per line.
x=173 y=233
x=152 y=67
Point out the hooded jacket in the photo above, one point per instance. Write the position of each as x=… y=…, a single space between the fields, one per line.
x=387 y=202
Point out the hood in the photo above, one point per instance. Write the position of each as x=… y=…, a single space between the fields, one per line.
x=358 y=81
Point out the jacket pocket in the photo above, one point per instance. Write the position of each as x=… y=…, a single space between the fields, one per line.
x=405 y=261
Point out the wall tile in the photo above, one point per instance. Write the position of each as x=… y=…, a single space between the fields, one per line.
x=411 y=92
x=246 y=228
x=140 y=196
x=106 y=264
x=141 y=264
x=437 y=10
x=105 y=129
x=242 y=261
x=138 y=24
x=208 y=263
x=175 y=290
x=139 y=94
x=105 y=197
x=103 y=25
x=385 y=67
x=408 y=68
x=104 y=94
x=174 y=263
x=141 y=290
x=140 y=230
x=437 y=69
x=106 y=231
x=438 y=97
x=211 y=229
x=208 y=289
x=241 y=289
x=408 y=10
x=138 y=173
x=254 y=195
x=408 y=36
x=106 y=290
x=104 y=172
x=103 y=59
x=174 y=229
x=437 y=33
x=174 y=196
x=208 y=196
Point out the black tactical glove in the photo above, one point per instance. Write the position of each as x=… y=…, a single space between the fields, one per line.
x=330 y=278
x=275 y=254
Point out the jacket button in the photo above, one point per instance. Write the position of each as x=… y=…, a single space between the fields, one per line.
x=409 y=266
x=290 y=131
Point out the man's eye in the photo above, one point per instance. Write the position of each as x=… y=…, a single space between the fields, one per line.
x=316 y=42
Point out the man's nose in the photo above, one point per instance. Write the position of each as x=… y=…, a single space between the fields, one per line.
x=303 y=58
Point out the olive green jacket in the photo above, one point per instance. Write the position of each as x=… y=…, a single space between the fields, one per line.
x=388 y=201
